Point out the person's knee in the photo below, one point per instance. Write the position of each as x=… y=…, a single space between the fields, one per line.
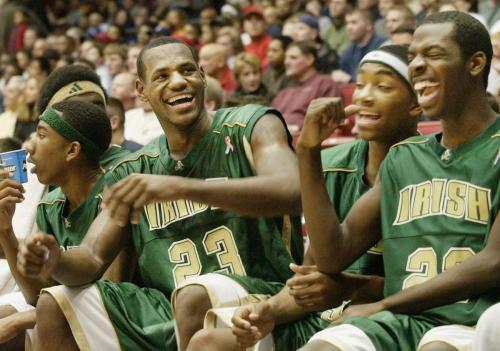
x=490 y=317
x=48 y=306
x=437 y=346
x=191 y=300
x=203 y=340
x=318 y=345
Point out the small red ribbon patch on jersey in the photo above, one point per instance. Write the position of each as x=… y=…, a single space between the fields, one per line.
x=229 y=146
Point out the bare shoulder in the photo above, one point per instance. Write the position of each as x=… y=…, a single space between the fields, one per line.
x=270 y=129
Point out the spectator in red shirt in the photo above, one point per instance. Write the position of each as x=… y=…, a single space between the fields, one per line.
x=16 y=36
x=255 y=26
x=213 y=60
x=308 y=84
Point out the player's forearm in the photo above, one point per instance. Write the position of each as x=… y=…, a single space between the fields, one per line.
x=22 y=321
x=99 y=248
x=30 y=287
x=284 y=309
x=364 y=288
x=470 y=278
x=323 y=227
x=78 y=266
x=266 y=195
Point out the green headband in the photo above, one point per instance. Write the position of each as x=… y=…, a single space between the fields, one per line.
x=52 y=118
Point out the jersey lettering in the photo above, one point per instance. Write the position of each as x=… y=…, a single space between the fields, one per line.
x=162 y=214
x=451 y=198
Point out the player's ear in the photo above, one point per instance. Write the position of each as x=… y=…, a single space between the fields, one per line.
x=139 y=86
x=476 y=64
x=202 y=73
x=73 y=150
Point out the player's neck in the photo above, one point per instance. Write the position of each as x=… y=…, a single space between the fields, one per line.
x=374 y=157
x=79 y=184
x=180 y=142
x=465 y=126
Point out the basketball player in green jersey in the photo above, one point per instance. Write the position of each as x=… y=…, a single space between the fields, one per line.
x=388 y=112
x=69 y=141
x=68 y=83
x=193 y=211
x=436 y=204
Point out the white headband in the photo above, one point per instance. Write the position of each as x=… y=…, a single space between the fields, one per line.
x=380 y=56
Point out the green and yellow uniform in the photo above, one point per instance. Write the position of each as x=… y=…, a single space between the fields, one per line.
x=112 y=156
x=344 y=170
x=437 y=209
x=68 y=228
x=181 y=239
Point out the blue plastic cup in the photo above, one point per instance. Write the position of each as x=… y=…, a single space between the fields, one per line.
x=14 y=162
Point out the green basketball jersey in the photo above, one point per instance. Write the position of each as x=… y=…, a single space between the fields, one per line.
x=344 y=169
x=437 y=209
x=68 y=229
x=180 y=239
x=112 y=156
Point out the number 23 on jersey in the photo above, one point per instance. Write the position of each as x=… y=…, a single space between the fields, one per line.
x=219 y=242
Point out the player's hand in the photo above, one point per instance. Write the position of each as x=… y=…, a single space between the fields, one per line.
x=9 y=328
x=38 y=255
x=323 y=116
x=11 y=193
x=127 y=198
x=252 y=322
x=364 y=310
x=315 y=291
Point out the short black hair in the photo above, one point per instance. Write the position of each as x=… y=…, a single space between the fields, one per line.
x=89 y=120
x=159 y=42
x=470 y=35
x=117 y=108
x=62 y=77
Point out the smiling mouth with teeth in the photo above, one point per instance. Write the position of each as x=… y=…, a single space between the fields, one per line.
x=180 y=99
x=368 y=115
x=426 y=87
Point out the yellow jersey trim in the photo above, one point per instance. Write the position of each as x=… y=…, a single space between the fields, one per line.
x=347 y=170
x=51 y=203
x=134 y=159
x=409 y=142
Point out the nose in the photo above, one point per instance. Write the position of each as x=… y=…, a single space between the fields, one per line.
x=363 y=95
x=29 y=145
x=177 y=81
x=416 y=66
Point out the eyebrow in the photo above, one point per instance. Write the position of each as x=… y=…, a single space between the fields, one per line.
x=179 y=65
x=426 y=48
x=385 y=72
x=41 y=127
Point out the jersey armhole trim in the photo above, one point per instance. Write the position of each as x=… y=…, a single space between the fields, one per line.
x=345 y=170
x=249 y=154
